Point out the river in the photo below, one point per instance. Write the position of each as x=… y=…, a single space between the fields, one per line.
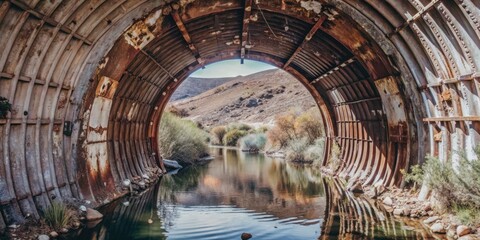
x=241 y=192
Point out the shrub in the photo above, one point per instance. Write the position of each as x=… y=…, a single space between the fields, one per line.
x=238 y=126
x=296 y=150
x=415 y=175
x=181 y=139
x=457 y=189
x=314 y=152
x=179 y=112
x=231 y=137
x=309 y=124
x=334 y=161
x=218 y=133
x=254 y=141
x=57 y=215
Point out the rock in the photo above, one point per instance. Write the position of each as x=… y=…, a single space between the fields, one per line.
x=356 y=187
x=463 y=230
x=14 y=226
x=451 y=233
x=64 y=230
x=431 y=219
x=438 y=228
x=398 y=212
x=149 y=221
x=43 y=237
x=126 y=203
x=82 y=208
x=406 y=212
x=388 y=201
x=53 y=234
x=76 y=225
x=93 y=215
x=246 y=236
x=427 y=207
x=469 y=237
x=252 y=103
x=126 y=183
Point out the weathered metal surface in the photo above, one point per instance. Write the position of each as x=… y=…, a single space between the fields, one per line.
x=51 y=49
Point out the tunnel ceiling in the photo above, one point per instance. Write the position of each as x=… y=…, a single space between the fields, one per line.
x=88 y=81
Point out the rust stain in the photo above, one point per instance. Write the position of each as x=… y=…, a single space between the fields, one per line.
x=106 y=87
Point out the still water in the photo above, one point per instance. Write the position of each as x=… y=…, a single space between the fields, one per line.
x=241 y=192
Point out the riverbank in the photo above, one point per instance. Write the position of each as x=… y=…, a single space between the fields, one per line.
x=405 y=204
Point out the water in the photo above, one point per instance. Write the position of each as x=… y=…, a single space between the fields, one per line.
x=242 y=192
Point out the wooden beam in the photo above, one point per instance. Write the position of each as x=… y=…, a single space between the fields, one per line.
x=186 y=36
x=307 y=38
x=334 y=69
x=452 y=119
x=246 y=20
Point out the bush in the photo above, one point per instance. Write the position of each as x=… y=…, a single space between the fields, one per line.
x=254 y=141
x=238 y=126
x=314 y=152
x=457 y=189
x=334 y=161
x=296 y=150
x=231 y=137
x=218 y=133
x=309 y=124
x=179 y=112
x=181 y=140
x=58 y=215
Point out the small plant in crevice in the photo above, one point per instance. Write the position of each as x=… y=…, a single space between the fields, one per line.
x=415 y=176
x=5 y=107
x=58 y=215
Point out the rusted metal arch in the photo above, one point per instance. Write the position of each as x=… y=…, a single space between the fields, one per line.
x=435 y=57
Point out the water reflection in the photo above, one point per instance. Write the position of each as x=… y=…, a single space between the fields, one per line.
x=241 y=192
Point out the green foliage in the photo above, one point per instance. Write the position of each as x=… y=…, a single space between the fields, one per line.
x=296 y=150
x=181 y=139
x=238 y=126
x=231 y=137
x=57 y=215
x=5 y=106
x=315 y=151
x=415 y=175
x=334 y=161
x=456 y=188
x=218 y=133
x=253 y=141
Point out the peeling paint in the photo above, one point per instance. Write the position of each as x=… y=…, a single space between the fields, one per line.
x=106 y=87
x=311 y=5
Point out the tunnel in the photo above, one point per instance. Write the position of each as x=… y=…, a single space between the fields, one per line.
x=88 y=81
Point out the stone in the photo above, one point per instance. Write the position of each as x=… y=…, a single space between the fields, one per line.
x=76 y=225
x=93 y=215
x=64 y=230
x=398 y=212
x=246 y=236
x=406 y=212
x=463 y=230
x=431 y=219
x=43 y=237
x=252 y=103
x=469 y=237
x=53 y=234
x=82 y=208
x=126 y=183
x=14 y=226
x=438 y=228
x=388 y=201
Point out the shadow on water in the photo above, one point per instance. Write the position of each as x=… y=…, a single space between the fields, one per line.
x=240 y=192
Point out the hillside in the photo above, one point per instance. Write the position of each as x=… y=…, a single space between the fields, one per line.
x=193 y=86
x=255 y=99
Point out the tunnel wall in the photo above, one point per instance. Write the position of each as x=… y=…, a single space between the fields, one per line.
x=401 y=82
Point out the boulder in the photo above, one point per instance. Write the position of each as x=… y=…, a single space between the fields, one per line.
x=93 y=215
x=463 y=230
x=431 y=219
x=388 y=201
x=53 y=234
x=252 y=102
x=43 y=237
x=398 y=212
x=469 y=237
x=438 y=228
x=246 y=236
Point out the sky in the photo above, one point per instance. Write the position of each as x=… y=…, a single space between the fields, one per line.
x=231 y=68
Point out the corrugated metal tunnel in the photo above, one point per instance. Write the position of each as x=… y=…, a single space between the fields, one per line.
x=88 y=81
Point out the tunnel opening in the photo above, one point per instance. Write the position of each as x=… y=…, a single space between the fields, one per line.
x=88 y=82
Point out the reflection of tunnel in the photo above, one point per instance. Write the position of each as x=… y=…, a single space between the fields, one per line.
x=88 y=81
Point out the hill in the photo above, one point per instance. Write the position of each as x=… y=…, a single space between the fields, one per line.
x=254 y=99
x=193 y=86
